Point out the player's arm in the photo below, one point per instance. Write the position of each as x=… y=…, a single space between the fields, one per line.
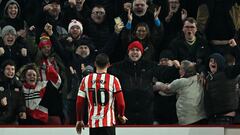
x=79 y=107
x=121 y=107
x=120 y=102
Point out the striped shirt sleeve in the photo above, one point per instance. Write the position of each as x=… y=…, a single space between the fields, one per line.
x=117 y=85
x=81 y=91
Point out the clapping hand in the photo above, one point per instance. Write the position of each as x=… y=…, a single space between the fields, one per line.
x=157 y=12
x=130 y=16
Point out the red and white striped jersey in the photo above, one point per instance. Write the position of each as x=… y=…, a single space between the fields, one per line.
x=100 y=90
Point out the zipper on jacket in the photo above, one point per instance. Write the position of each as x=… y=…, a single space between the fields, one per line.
x=135 y=72
x=10 y=91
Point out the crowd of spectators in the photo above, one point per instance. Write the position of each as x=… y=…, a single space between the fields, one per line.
x=178 y=61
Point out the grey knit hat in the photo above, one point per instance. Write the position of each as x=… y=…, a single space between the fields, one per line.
x=8 y=29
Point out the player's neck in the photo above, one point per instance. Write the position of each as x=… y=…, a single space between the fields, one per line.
x=101 y=71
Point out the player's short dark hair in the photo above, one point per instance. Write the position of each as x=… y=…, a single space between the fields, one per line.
x=101 y=60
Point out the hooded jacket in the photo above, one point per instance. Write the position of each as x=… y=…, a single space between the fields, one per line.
x=220 y=94
x=7 y=4
x=18 y=22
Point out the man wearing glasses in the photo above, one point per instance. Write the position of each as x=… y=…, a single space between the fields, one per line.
x=190 y=45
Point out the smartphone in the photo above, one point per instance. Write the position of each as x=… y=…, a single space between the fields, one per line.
x=118 y=20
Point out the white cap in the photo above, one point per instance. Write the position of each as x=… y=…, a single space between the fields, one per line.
x=74 y=22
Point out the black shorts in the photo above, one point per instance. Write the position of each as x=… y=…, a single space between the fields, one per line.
x=103 y=131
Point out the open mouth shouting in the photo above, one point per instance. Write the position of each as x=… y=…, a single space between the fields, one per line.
x=213 y=65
